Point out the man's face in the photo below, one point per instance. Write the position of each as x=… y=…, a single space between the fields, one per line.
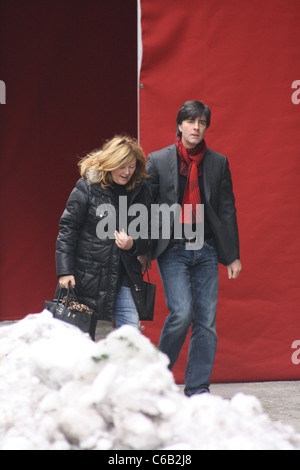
x=193 y=131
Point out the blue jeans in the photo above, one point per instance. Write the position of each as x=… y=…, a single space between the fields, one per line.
x=191 y=284
x=125 y=309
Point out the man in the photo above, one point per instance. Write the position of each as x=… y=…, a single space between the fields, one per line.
x=190 y=173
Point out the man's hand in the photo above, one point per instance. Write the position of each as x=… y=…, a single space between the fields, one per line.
x=234 y=269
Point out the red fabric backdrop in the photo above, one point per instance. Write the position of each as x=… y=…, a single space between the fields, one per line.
x=70 y=74
x=71 y=82
x=241 y=58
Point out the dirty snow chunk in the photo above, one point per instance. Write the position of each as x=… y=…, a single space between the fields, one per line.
x=59 y=390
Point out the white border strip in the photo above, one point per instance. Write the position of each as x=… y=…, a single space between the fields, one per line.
x=139 y=61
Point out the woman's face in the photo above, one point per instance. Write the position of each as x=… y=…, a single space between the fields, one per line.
x=124 y=174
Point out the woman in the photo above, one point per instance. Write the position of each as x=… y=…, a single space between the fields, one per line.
x=105 y=271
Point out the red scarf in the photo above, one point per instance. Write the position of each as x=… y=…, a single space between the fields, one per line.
x=190 y=167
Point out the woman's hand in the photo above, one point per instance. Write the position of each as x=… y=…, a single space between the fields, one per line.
x=123 y=241
x=64 y=281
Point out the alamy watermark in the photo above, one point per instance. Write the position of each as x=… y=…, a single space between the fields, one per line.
x=156 y=225
x=296 y=353
x=2 y=92
x=296 y=95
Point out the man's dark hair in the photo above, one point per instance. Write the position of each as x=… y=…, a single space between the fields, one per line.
x=192 y=110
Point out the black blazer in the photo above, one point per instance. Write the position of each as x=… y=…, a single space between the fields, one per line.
x=219 y=203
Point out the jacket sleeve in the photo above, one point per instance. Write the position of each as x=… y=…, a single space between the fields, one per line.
x=142 y=245
x=153 y=176
x=70 y=225
x=227 y=209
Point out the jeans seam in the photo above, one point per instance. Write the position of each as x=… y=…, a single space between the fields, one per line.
x=191 y=351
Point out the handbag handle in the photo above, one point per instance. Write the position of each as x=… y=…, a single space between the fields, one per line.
x=147 y=272
x=70 y=290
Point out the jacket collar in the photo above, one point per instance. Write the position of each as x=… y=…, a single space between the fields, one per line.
x=97 y=189
x=173 y=167
x=207 y=168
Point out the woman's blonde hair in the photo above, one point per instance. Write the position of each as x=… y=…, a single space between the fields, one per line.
x=115 y=153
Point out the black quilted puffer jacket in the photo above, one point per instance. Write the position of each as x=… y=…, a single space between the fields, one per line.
x=95 y=262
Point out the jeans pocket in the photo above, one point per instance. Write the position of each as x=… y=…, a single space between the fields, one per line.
x=172 y=247
x=210 y=244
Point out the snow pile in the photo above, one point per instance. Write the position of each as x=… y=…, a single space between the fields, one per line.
x=59 y=390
